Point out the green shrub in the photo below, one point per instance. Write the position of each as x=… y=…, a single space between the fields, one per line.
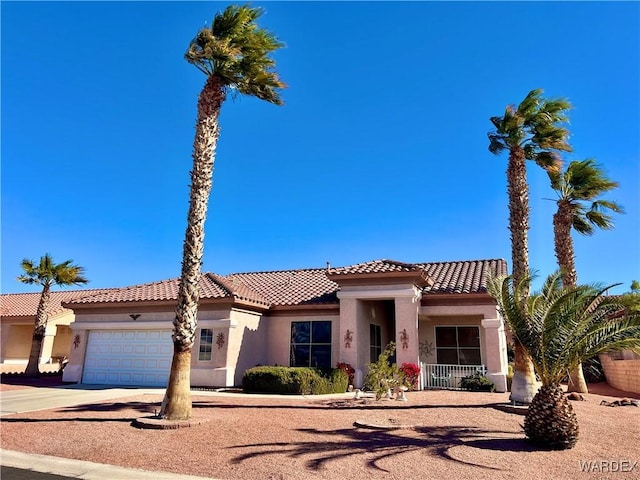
x=477 y=383
x=383 y=375
x=294 y=380
x=338 y=379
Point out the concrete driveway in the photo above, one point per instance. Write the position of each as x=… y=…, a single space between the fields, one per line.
x=42 y=398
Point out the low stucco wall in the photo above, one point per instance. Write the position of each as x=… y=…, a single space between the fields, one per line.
x=21 y=367
x=623 y=374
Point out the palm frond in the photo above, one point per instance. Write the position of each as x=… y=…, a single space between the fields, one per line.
x=550 y=161
x=47 y=272
x=562 y=327
x=583 y=182
x=530 y=103
x=536 y=127
x=237 y=52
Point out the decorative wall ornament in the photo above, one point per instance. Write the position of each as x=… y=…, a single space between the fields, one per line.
x=426 y=349
x=404 y=339
x=76 y=341
x=220 y=340
x=348 y=338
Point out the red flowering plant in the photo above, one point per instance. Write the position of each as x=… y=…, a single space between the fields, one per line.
x=348 y=369
x=411 y=373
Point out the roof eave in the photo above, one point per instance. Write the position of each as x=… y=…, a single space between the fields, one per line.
x=420 y=278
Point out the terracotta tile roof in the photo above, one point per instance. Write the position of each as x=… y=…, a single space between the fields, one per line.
x=26 y=304
x=154 y=291
x=290 y=287
x=448 y=277
x=376 y=266
x=462 y=277
x=239 y=290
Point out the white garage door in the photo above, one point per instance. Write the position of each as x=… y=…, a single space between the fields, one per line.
x=128 y=357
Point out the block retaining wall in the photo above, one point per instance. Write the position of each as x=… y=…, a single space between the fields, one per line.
x=623 y=374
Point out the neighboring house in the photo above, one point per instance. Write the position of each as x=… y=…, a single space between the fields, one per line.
x=437 y=313
x=17 y=319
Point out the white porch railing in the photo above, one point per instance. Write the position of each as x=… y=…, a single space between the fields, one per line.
x=447 y=376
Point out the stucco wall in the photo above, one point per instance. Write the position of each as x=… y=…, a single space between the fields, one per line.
x=622 y=374
x=148 y=319
x=16 y=342
x=16 y=334
x=247 y=347
x=62 y=342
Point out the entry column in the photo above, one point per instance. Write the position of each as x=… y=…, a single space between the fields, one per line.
x=495 y=352
x=407 y=306
x=348 y=336
x=47 y=343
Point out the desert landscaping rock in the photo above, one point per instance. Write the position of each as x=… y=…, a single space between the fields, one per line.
x=456 y=435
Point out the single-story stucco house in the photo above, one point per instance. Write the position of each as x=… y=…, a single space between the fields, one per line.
x=17 y=319
x=437 y=314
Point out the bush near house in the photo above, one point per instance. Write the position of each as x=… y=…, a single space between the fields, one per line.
x=477 y=383
x=384 y=376
x=348 y=369
x=411 y=373
x=294 y=380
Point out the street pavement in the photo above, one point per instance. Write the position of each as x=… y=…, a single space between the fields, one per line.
x=10 y=473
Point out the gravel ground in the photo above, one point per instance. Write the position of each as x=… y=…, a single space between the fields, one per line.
x=455 y=435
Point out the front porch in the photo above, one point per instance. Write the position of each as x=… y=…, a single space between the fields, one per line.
x=447 y=377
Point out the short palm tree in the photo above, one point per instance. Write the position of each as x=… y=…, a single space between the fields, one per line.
x=579 y=209
x=532 y=131
x=46 y=273
x=560 y=327
x=234 y=55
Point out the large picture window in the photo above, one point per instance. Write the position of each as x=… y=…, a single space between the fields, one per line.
x=458 y=345
x=206 y=344
x=311 y=344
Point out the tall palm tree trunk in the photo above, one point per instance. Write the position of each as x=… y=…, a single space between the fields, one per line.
x=524 y=385
x=565 y=254
x=40 y=326
x=563 y=243
x=177 y=402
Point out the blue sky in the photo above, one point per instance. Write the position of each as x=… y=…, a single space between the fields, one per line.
x=380 y=150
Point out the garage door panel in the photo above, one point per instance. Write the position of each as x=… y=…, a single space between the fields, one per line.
x=140 y=357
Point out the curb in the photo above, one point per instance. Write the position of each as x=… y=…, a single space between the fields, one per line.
x=83 y=469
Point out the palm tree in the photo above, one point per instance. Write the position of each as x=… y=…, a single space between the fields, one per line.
x=532 y=131
x=578 y=189
x=47 y=274
x=234 y=55
x=559 y=328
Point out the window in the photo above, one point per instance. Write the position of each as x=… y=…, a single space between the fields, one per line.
x=311 y=344
x=458 y=345
x=206 y=344
x=375 y=342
